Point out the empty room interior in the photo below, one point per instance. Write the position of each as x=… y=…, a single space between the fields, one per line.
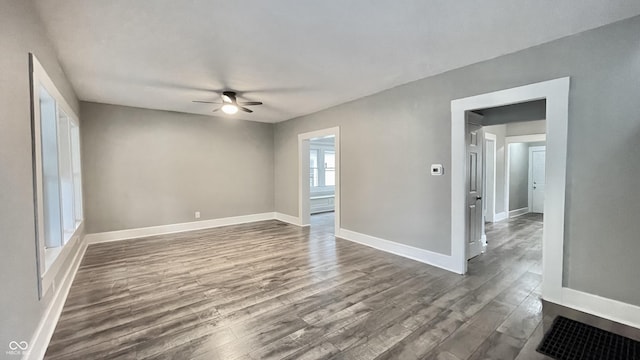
x=320 y=180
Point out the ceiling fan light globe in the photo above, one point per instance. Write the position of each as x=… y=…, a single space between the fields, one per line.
x=229 y=109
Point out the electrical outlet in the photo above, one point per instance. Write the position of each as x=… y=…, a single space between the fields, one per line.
x=437 y=169
x=197 y=214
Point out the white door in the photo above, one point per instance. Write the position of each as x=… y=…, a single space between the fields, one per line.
x=536 y=178
x=475 y=223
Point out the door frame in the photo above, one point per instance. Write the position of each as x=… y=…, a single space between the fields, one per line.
x=530 y=180
x=556 y=93
x=507 y=161
x=304 y=204
x=490 y=215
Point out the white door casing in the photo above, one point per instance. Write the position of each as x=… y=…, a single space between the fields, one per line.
x=489 y=197
x=475 y=218
x=556 y=93
x=536 y=178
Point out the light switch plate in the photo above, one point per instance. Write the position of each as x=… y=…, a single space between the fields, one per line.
x=437 y=169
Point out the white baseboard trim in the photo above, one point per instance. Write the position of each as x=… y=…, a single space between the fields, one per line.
x=425 y=256
x=293 y=220
x=518 y=212
x=609 y=309
x=175 y=228
x=500 y=216
x=44 y=332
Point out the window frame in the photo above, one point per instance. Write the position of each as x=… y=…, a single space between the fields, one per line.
x=49 y=260
x=321 y=188
x=327 y=169
x=314 y=171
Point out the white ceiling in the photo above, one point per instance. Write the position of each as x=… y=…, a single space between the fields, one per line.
x=297 y=56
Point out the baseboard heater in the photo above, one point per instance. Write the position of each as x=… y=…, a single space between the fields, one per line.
x=322 y=203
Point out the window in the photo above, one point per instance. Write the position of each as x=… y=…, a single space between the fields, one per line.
x=330 y=168
x=313 y=167
x=50 y=170
x=58 y=173
x=322 y=166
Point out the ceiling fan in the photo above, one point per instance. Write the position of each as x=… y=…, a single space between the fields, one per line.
x=230 y=105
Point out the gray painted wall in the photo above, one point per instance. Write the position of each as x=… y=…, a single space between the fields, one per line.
x=518 y=176
x=389 y=139
x=519 y=172
x=20 y=33
x=527 y=128
x=146 y=167
x=501 y=132
x=527 y=111
x=512 y=120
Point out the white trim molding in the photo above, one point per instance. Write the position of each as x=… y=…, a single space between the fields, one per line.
x=407 y=251
x=65 y=251
x=501 y=216
x=47 y=268
x=490 y=215
x=175 y=228
x=556 y=94
x=287 y=219
x=518 y=212
x=41 y=338
x=613 y=310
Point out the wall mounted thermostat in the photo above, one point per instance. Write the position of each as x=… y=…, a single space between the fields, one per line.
x=436 y=169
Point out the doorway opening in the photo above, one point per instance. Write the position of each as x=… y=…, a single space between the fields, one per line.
x=556 y=94
x=500 y=142
x=525 y=174
x=322 y=181
x=319 y=180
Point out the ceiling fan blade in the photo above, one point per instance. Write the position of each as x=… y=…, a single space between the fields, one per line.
x=245 y=109
x=214 y=110
x=249 y=103
x=206 y=102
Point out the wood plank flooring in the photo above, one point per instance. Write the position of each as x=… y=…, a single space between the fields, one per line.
x=270 y=290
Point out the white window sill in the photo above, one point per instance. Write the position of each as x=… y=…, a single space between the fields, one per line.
x=68 y=235
x=322 y=197
x=54 y=257
x=50 y=256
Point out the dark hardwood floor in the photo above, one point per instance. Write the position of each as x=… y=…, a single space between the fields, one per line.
x=270 y=290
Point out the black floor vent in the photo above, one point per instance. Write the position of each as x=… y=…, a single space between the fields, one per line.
x=572 y=340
